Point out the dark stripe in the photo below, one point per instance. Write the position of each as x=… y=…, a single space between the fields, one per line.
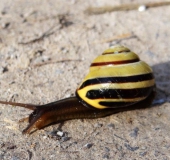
x=119 y=93
x=125 y=50
x=115 y=62
x=116 y=104
x=136 y=78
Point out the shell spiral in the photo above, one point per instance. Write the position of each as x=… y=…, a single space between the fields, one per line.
x=117 y=78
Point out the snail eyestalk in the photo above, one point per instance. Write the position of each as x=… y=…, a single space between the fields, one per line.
x=28 y=106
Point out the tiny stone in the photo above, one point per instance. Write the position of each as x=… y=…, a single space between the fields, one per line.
x=143 y=147
x=98 y=125
x=51 y=156
x=5 y=25
x=59 y=133
x=88 y=145
x=142 y=8
x=67 y=95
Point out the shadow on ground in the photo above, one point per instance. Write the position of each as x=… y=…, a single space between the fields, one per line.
x=162 y=77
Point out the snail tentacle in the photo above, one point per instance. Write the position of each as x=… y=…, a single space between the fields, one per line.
x=28 y=106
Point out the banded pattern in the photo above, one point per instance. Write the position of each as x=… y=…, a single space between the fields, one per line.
x=117 y=78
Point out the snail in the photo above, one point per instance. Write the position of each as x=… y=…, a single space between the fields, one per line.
x=117 y=81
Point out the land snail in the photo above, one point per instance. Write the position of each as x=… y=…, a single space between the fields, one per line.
x=117 y=81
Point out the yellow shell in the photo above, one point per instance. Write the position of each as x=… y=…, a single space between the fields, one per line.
x=117 y=78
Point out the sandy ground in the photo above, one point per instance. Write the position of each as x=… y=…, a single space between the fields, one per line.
x=46 y=47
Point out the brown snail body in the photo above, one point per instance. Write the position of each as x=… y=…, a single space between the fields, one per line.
x=118 y=81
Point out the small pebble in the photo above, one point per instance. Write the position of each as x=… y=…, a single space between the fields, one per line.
x=51 y=156
x=59 y=133
x=98 y=125
x=143 y=147
x=88 y=145
x=5 y=25
x=142 y=8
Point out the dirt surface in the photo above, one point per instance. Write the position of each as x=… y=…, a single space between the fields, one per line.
x=46 y=48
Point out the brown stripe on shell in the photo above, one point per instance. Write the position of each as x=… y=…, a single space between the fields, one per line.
x=125 y=50
x=114 y=62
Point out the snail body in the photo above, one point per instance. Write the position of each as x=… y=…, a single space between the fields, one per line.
x=117 y=81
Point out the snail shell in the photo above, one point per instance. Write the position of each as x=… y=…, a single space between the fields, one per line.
x=117 y=78
x=117 y=81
